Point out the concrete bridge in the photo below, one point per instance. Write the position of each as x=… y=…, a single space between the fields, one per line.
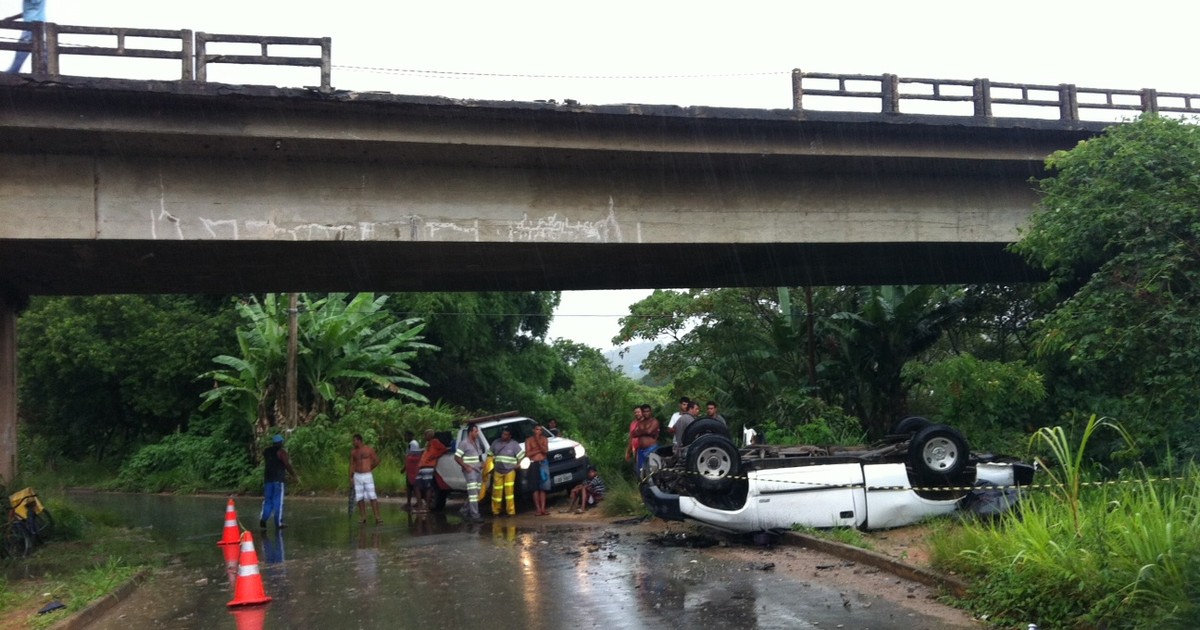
x=123 y=186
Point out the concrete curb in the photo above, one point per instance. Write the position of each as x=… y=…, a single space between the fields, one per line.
x=90 y=613
x=928 y=577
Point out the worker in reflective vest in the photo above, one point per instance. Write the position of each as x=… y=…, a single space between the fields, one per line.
x=506 y=453
x=470 y=456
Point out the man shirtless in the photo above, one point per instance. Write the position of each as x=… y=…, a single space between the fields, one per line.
x=363 y=460
x=646 y=433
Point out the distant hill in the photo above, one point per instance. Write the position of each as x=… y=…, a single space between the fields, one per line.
x=631 y=363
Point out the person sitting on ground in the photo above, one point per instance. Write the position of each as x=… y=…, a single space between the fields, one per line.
x=589 y=493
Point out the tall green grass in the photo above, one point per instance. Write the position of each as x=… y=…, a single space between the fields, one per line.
x=1124 y=554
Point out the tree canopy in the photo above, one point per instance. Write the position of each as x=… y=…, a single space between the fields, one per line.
x=1118 y=229
x=107 y=371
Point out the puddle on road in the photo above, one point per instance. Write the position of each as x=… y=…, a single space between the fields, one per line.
x=327 y=571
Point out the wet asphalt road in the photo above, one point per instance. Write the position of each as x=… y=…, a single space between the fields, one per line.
x=327 y=571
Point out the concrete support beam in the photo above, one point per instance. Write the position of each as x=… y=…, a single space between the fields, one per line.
x=8 y=389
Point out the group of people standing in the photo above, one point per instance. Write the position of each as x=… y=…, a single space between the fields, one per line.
x=645 y=430
x=471 y=454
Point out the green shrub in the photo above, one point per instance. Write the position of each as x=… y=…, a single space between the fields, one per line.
x=804 y=419
x=623 y=497
x=990 y=402
x=185 y=462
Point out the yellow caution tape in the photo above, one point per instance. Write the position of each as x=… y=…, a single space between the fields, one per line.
x=1032 y=486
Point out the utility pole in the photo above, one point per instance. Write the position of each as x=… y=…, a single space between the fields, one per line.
x=291 y=421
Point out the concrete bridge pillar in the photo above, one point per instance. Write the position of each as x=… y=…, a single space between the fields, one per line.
x=8 y=387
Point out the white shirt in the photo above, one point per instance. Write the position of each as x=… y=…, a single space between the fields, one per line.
x=674 y=419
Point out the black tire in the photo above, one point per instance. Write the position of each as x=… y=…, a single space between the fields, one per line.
x=910 y=425
x=714 y=461
x=17 y=541
x=937 y=454
x=704 y=426
x=42 y=525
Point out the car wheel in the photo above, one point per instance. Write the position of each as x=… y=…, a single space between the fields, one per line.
x=938 y=453
x=704 y=426
x=714 y=460
x=910 y=425
x=654 y=463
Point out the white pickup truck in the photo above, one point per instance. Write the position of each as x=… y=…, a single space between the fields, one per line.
x=923 y=471
x=568 y=459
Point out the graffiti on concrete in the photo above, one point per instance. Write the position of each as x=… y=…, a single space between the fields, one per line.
x=554 y=227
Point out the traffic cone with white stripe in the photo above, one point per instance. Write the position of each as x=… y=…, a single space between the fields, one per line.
x=232 y=534
x=249 y=588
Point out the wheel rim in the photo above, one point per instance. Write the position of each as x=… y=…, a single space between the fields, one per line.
x=940 y=454
x=714 y=463
x=653 y=464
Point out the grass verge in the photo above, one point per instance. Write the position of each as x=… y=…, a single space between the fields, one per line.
x=1124 y=556
x=75 y=572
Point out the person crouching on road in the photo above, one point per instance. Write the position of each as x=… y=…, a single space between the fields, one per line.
x=537 y=448
x=506 y=453
x=363 y=460
x=589 y=493
x=470 y=456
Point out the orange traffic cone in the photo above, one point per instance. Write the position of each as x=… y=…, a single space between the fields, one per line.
x=232 y=534
x=251 y=618
x=249 y=588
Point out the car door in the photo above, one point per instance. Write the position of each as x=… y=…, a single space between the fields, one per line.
x=816 y=495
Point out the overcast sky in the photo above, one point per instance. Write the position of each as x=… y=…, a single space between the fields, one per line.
x=687 y=53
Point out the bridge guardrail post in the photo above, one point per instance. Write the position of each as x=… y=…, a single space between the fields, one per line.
x=187 y=54
x=889 y=91
x=797 y=90
x=326 y=65
x=982 y=97
x=1149 y=100
x=1068 y=103
x=201 y=57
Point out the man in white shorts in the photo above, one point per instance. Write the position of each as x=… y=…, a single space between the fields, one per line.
x=363 y=460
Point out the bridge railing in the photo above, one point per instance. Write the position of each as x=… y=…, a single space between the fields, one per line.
x=1068 y=100
x=192 y=50
x=204 y=58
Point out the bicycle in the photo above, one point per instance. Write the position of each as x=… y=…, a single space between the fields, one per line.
x=28 y=523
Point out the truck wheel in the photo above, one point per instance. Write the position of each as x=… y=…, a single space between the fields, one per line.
x=938 y=453
x=714 y=460
x=704 y=426
x=910 y=425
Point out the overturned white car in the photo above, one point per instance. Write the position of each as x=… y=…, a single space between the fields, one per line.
x=919 y=471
